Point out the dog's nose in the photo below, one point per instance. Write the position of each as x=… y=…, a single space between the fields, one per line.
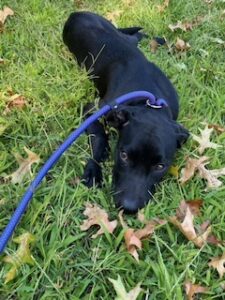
x=130 y=206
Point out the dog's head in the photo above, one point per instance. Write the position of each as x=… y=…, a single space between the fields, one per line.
x=146 y=146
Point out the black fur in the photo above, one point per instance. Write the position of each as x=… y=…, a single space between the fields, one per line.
x=148 y=138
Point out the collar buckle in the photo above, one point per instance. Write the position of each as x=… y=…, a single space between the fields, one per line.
x=157 y=103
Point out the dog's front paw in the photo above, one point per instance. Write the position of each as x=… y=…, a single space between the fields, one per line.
x=92 y=174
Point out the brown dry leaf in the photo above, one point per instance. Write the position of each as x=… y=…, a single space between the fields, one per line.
x=218 y=128
x=133 y=237
x=75 y=181
x=24 y=166
x=97 y=216
x=121 y=291
x=153 y=46
x=15 y=101
x=141 y=216
x=112 y=16
x=192 y=289
x=185 y=26
x=182 y=45
x=212 y=239
x=194 y=165
x=184 y=221
x=204 y=140
x=21 y=256
x=157 y=42
x=191 y=166
x=218 y=263
x=4 y=14
x=211 y=176
x=195 y=205
x=162 y=7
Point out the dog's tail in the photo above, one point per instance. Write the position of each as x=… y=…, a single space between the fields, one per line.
x=133 y=33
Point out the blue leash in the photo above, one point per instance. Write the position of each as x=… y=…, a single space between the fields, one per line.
x=7 y=233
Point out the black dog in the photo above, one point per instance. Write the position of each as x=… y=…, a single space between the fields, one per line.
x=148 y=137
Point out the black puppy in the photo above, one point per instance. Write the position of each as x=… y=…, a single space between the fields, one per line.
x=148 y=137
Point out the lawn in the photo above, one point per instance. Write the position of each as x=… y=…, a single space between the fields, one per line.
x=68 y=263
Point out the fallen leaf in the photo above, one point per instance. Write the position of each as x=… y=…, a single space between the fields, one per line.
x=15 y=101
x=112 y=16
x=79 y=3
x=75 y=181
x=204 y=140
x=211 y=176
x=4 y=14
x=132 y=242
x=162 y=7
x=191 y=166
x=174 y=170
x=218 y=263
x=21 y=256
x=185 y=26
x=219 y=129
x=222 y=15
x=182 y=45
x=194 y=205
x=133 y=237
x=156 y=42
x=141 y=216
x=97 y=216
x=218 y=41
x=2 y=129
x=212 y=239
x=192 y=289
x=184 y=221
x=3 y=202
x=24 y=166
x=121 y=291
x=194 y=165
x=153 y=46
x=128 y=2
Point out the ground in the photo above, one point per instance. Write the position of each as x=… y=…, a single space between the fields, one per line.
x=68 y=263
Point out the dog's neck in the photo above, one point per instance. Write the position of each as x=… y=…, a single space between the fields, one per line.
x=162 y=110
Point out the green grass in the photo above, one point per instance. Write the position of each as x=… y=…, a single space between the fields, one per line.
x=38 y=66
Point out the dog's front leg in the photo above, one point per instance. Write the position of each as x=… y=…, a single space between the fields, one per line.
x=99 y=144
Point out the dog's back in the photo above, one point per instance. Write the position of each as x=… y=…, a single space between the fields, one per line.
x=111 y=57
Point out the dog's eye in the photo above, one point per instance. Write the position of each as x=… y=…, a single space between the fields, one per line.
x=124 y=156
x=159 y=167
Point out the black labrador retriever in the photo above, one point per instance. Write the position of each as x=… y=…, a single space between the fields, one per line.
x=148 y=136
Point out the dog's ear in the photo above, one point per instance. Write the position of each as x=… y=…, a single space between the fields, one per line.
x=181 y=133
x=118 y=118
x=133 y=34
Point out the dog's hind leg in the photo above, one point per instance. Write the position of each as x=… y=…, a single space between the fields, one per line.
x=99 y=145
x=133 y=33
